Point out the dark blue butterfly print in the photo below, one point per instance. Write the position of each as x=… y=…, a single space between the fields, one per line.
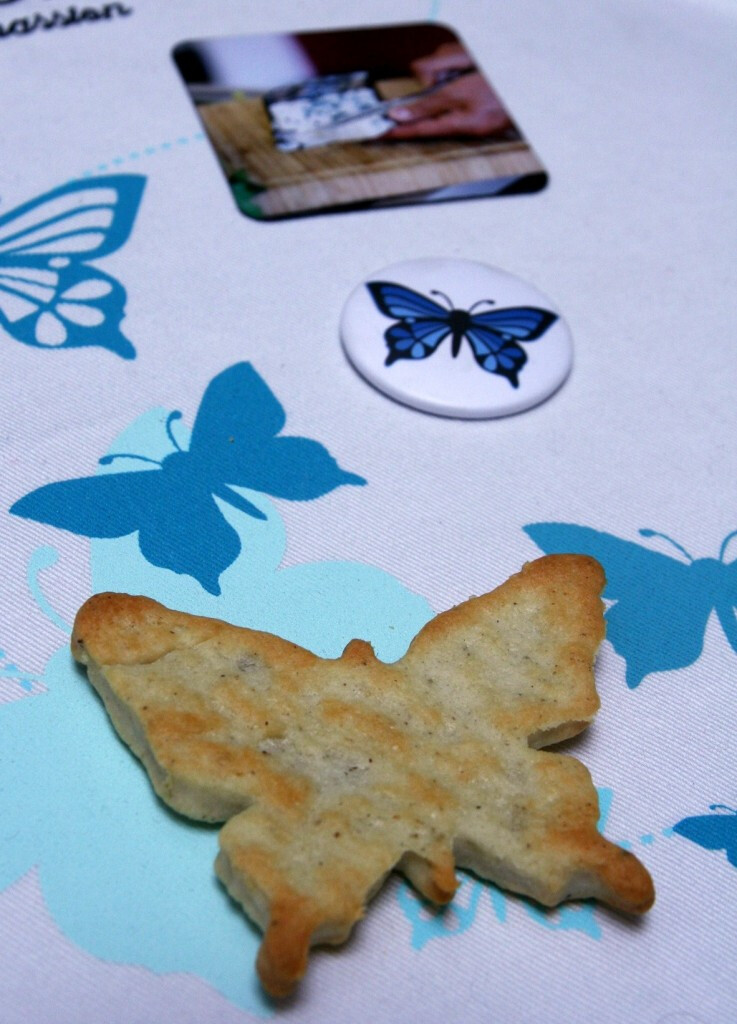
x=662 y=603
x=173 y=508
x=712 y=831
x=422 y=324
x=50 y=297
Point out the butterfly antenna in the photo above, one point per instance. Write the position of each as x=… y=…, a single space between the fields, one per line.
x=434 y=291
x=664 y=536
x=176 y=415
x=107 y=459
x=725 y=542
x=481 y=302
x=722 y=807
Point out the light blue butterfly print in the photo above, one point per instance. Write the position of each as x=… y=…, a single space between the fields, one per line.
x=50 y=296
x=10 y=673
x=662 y=603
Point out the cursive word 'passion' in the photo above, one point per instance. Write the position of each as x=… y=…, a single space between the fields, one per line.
x=62 y=19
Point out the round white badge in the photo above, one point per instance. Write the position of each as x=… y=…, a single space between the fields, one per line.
x=456 y=338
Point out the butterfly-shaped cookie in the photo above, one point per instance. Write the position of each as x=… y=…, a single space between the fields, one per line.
x=330 y=773
x=234 y=443
x=50 y=296
x=662 y=602
x=422 y=324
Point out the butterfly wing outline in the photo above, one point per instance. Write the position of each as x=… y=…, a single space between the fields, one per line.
x=495 y=335
x=50 y=297
x=180 y=526
x=662 y=605
x=422 y=323
x=712 y=832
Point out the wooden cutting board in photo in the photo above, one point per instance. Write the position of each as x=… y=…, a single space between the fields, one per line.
x=344 y=173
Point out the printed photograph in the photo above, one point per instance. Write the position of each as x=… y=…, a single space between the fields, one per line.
x=319 y=121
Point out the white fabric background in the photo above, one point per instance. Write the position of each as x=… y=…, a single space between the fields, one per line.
x=632 y=106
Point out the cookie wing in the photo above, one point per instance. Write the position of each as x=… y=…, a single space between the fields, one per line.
x=522 y=656
x=519 y=661
x=196 y=699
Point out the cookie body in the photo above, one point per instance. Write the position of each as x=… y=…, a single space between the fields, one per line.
x=330 y=773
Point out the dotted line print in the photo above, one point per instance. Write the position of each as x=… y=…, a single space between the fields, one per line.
x=147 y=151
x=647 y=839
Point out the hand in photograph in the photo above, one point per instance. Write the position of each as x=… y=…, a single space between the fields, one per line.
x=465 y=106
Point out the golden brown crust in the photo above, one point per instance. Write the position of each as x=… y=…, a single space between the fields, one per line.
x=331 y=773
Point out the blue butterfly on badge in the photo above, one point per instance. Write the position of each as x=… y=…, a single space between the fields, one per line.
x=171 y=503
x=50 y=295
x=422 y=324
x=662 y=603
x=715 y=831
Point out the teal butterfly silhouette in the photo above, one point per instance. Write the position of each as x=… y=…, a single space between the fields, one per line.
x=712 y=831
x=180 y=527
x=50 y=296
x=662 y=603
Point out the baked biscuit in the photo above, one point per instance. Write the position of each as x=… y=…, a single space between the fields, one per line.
x=329 y=774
